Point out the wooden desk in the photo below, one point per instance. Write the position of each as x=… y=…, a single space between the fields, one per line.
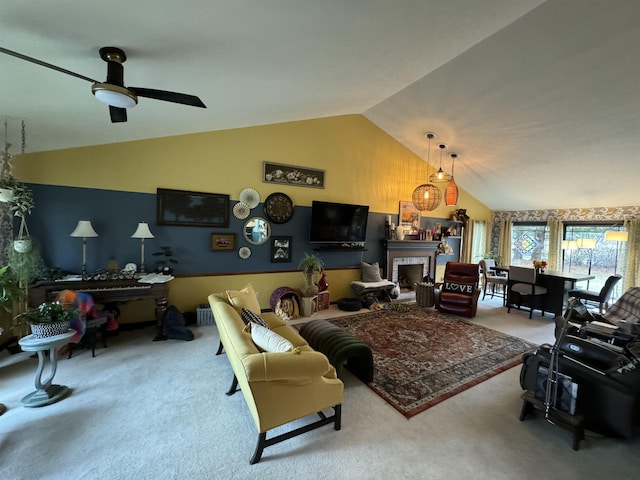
x=108 y=293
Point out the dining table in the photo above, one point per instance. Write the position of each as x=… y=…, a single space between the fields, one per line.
x=557 y=283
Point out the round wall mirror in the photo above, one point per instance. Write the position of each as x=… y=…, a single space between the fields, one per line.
x=257 y=230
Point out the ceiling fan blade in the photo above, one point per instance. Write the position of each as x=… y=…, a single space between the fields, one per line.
x=173 y=97
x=118 y=114
x=45 y=64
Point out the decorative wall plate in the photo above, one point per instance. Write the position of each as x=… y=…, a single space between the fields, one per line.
x=244 y=252
x=278 y=207
x=250 y=197
x=241 y=210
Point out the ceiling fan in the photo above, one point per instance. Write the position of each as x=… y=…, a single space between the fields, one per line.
x=113 y=92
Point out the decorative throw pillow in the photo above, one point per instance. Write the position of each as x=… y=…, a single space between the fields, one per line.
x=370 y=273
x=245 y=298
x=268 y=340
x=463 y=288
x=249 y=317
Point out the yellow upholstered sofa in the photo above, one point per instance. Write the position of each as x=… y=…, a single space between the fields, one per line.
x=278 y=387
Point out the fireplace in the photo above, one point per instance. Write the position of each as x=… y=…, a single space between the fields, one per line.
x=408 y=262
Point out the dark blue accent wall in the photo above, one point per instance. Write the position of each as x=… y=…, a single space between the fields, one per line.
x=115 y=216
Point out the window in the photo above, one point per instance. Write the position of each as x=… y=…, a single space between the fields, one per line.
x=529 y=242
x=591 y=254
x=594 y=256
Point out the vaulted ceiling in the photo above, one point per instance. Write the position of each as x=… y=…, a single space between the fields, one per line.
x=540 y=99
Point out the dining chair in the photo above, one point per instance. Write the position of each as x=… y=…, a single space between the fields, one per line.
x=602 y=297
x=491 y=279
x=524 y=291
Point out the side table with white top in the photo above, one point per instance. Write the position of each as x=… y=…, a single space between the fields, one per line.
x=46 y=392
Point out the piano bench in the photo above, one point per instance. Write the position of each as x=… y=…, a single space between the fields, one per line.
x=88 y=340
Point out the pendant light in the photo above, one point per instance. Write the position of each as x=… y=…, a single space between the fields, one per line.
x=440 y=175
x=451 y=192
x=427 y=196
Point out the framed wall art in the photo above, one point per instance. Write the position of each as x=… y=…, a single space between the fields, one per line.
x=292 y=175
x=409 y=215
x=281 y=249
x=180 y=207
x=223 y=242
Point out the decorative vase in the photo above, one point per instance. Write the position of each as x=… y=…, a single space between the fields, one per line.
x=22 y=245
x=6 y=195
x=309 y=289
x=45 y=330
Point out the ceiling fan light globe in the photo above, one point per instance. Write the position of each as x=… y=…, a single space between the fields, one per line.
x=114 y=96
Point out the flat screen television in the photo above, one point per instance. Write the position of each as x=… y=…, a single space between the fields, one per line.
x=338 y=222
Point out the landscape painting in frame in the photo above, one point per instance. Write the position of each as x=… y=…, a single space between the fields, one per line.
x=292 y=175
x=409 y=215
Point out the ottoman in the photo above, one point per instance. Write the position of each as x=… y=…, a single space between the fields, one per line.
x=340 y=347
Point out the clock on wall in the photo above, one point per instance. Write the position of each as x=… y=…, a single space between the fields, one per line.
x=278 y=207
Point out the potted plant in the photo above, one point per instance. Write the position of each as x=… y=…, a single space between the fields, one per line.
x=7 y=185
x=48 y=319
x=311 y=266
x=24 y=268
x=165 y=258
x=10 y=290
x=21 y=205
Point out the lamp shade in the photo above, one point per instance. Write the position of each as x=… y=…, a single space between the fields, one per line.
x=84 y=229
x=451 y=194
x=142 y=231
x=569 y=245
x=589 y=243
x=616 y=236
x=426 y=197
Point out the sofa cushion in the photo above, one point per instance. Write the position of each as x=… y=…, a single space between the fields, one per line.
x=370 y=273
x=244 y=298
x=462 y=288
x=249 y=317
x=269 y=341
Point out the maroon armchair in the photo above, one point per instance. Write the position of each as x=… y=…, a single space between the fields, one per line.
x=459 y=292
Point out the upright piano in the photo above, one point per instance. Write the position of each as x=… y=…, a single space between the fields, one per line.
x=108 y=293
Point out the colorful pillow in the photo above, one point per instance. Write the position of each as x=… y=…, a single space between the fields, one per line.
x=249 y=317
x=245 y=298
x=462 y=288
x=370 y=273
x=268 y=340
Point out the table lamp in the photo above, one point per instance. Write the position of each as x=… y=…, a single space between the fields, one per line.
x=142 y=232
x=84 y=229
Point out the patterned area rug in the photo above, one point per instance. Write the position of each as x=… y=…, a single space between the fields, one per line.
x=422 y=357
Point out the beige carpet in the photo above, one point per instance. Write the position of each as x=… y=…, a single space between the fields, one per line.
x=157 y=410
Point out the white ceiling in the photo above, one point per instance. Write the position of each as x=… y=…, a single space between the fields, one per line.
x=541 y=99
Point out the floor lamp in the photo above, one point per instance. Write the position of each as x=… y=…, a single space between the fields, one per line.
x=142 y=232
x=569 y=246
x=84 y=229
x=589 y=244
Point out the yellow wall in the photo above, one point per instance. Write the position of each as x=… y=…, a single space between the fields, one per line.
x=362 y=163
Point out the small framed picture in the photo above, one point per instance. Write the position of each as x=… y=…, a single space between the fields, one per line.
x=281 y=249
x=223 y=242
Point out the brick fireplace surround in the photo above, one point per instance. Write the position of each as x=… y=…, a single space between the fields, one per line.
x=402 y=253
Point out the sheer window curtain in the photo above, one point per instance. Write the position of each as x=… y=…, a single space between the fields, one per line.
x=479 y=244
x=631 y=277
x=504 y=242
x=467 y=246
x=556 y=228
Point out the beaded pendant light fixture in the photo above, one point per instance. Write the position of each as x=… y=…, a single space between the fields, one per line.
x=427 y=196
x=440 y=175
x=451 y=192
